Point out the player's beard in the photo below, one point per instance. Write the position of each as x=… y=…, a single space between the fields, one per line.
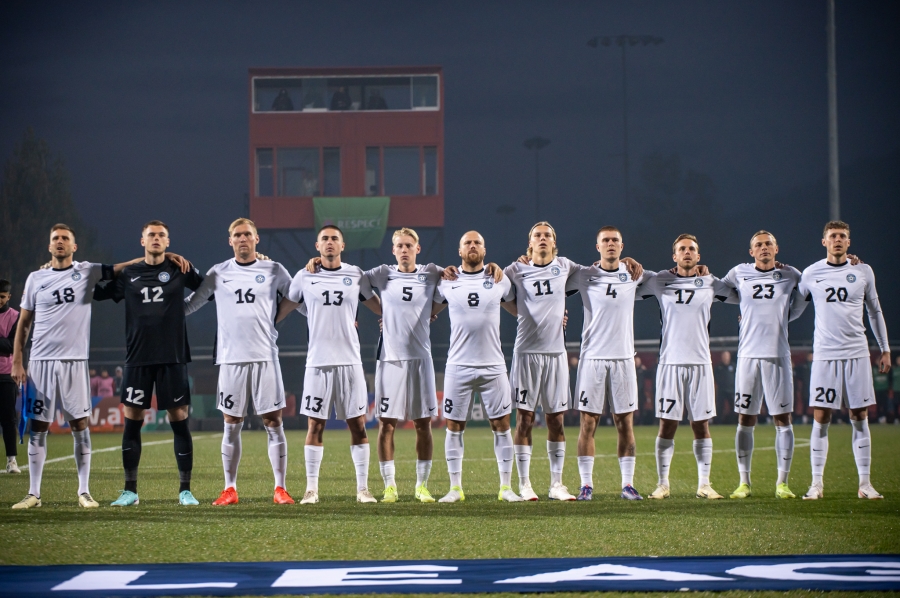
x=472 y=260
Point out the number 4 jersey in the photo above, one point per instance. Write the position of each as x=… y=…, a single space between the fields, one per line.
x=247 y=297
x=839 y=293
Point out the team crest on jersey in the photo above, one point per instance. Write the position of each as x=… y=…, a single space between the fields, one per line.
x=698 y=282
x=776 y=276
x=347 y=281
x=163 y=277
x=422 y=277
x=851 y=278
x=260 y=278
x=488 y=284
x=76 y=275
x=554 y=270
x=623 y=277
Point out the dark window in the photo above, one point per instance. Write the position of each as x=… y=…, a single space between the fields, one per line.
x=431 y=173
x=331 y=165
x=298 y=172
x=373 y=171
x=402 y=171
x=424 y=92
x=264 y=173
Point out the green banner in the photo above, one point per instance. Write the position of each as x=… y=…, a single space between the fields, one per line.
x=363 y=219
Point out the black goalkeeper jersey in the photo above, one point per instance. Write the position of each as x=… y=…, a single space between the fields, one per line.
x=155 y=331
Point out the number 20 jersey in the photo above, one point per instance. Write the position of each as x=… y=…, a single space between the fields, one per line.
x=331 y=298
x=839 y=293
x=61 y=302
x=246 y=297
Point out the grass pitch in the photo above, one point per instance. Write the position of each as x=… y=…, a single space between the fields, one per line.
x=159 y=530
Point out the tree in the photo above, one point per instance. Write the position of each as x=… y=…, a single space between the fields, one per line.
x=35 y=195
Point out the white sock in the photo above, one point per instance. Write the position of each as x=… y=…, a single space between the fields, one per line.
x=360 y=455
x=454 y=447
x=423 y=470
x=784 y=451
x=82 y=451
x=665 y=450
x=503 y=450
x=387 y=473
x=586 y=471
x=231 y=453
x=277 y=453
x=862 y=449
x=37 y=454
x=703 y=455
x=626 y=466
x=557 y=453
x=818 y=451
x=743 y=446
x=313 y=455
x=523 y=463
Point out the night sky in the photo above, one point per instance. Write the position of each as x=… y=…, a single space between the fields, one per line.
x=148 y=105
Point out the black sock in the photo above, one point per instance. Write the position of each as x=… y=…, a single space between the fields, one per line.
x=184 y=453
x=131 y=452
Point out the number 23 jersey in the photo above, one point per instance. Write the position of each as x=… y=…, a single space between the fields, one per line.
x=331 y=298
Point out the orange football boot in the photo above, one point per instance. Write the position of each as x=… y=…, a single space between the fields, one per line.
x=282 y=497
x=228 y=497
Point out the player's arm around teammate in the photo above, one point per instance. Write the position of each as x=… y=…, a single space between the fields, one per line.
x=246 y=292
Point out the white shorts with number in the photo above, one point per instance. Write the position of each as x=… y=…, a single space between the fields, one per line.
x=841 y=381
x=239 y=382
x=68 y=382
x=405 y=389
x=540 y=379
x=343 y=386
x=755 y=378
x=606 y=381
x=680 y=385
x=461 y=382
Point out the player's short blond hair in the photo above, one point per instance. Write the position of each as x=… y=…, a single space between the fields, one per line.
x=405 y=232
x=604 y=229
x=680 y=238
x=836 y=225
x=241 y=222
x=552 y=232
x=763 y=232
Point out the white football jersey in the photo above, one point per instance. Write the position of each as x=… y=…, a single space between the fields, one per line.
x=61 y=302
x=331 y=298
x=766 y=299
x=608 y=300
x=839 y=293
x=406 y=300
x=541 y=304
x=474 y=304
x=247 y=297
x=684 y=303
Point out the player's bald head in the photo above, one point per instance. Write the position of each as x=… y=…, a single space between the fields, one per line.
x=470 y=236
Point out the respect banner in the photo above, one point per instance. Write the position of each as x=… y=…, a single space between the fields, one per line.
x=362 y=219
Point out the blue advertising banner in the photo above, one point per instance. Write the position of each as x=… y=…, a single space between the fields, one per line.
x=779 y=573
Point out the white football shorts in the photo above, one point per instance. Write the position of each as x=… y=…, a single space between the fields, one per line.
x=405 y=389
x=755 y=378
x=461 y=382
x=540 y=379
x=343 y=386
x=690 y=385
x=841 y=381
x=259 y=380
x=67 y=381
x=606 y=381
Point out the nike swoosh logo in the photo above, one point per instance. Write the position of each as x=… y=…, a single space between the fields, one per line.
x=227 y=280
x=316 y=282
x=183 y=454
x=32 y=454
x=817 y=280
x=785 y=458
x=431 y=408
x=42 y=288
x=456 y=287
x=277 y=404
x=784 y=404
x=865 y=400
x=709 y=410
x=282 y=456
x=632 y=405
x=88 y=409
x=817 y=450
x=178 y=399
x=361 y=408
x=84 y=454
x=126 y=449
x=505 y=406
x=864 y=446
x=135 y=278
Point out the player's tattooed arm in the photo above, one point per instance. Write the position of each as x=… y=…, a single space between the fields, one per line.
x=285 y=308
x=26 y=318
x=373 y=303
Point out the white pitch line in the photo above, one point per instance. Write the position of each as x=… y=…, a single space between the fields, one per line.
x=110 y=449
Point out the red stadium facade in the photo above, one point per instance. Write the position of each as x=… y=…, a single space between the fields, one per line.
x=346 y=132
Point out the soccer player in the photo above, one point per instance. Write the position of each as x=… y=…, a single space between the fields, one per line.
x=841 y=370
x=157 y=354
x=768 y=297
x=606 y=370
x=334 y=373
x=475 y=363
x=9 y=319
x=246 y=292
x=57 y=301
x=684 y=378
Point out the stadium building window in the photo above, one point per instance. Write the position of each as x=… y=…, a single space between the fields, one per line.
x=336 y=94
x=264 y=173
x=331 y=166
x=429 y=168
x=373 y=171
x=402 y=172
x=298 y=172
x=424 y=92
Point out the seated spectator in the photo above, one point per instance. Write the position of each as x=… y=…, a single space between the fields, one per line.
x=283 y=101
x=341 y=99
x=376 y=101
